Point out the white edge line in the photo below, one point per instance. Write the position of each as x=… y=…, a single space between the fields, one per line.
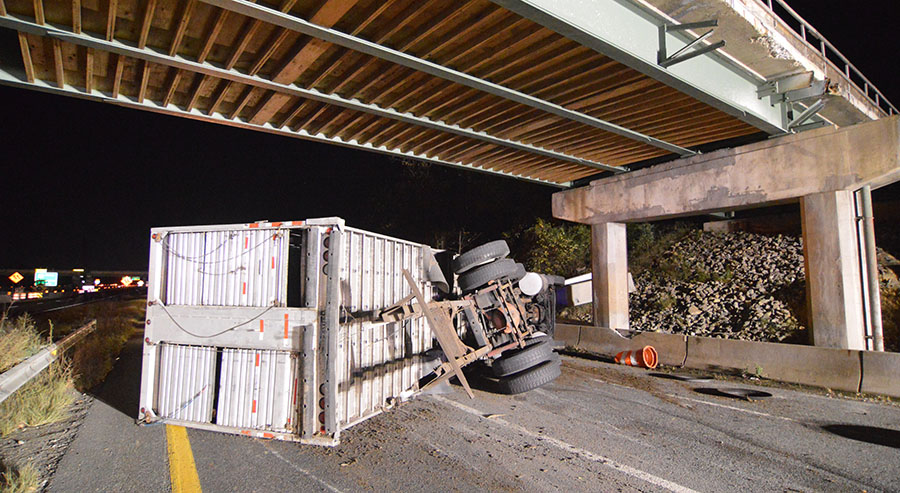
x=631 y=471
x=303 y=471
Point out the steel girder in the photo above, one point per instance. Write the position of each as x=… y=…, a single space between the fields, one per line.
x=629 y=33
x=294 y=23
x=15 y=76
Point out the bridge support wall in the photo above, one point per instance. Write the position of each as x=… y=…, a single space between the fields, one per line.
x=820 y=169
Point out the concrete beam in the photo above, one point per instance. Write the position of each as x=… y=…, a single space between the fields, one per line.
x=764 y=173
x=831 y=260
x=609 y=264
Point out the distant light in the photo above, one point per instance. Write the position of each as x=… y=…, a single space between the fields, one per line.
x=140 y=283
x=77 y=270
x=96 y=282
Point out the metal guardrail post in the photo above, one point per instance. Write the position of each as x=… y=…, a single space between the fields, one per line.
x=14 y=378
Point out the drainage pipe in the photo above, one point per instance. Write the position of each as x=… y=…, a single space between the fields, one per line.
x=872 y=269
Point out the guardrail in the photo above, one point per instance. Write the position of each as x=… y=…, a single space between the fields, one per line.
x=824 y=47
x=14 y=378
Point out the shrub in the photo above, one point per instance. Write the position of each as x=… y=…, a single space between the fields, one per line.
x=19 y=339
x=555 y=248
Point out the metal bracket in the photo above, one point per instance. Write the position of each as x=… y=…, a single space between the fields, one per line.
x=785 y=84
x=796 y=124
x=816 y=90
x=684 y=53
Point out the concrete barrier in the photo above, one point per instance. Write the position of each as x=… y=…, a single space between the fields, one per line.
x=567 y=334
x=881 y=373
x=672 y=348
x=839 y=369
x=608 y=342
x=821 y=367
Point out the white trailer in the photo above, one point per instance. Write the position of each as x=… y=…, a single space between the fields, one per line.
x=250 y=328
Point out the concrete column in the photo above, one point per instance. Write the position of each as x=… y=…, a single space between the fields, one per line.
x=609 y=263
x=831 y=258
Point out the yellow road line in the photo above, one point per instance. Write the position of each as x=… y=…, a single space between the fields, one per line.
x=182 y=470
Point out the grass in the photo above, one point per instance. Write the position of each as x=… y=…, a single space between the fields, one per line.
x=19 y=339
x=93 y=357
x=45 y=399
x=19 y=480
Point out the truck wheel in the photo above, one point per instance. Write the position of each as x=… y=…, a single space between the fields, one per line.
x=486 y=273
x=531 y=378
x=480 y=255
x=519 y=274
x=523 y=359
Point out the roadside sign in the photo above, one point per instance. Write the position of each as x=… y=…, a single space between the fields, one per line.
x=16 y=277
x=44 y=278
x=126 y=281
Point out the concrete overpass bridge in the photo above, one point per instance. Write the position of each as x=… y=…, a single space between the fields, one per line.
x=562 y=92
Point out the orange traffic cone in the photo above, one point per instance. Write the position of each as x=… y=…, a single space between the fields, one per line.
x=646 y=357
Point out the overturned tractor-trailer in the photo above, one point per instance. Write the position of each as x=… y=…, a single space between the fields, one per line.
x=298 y=330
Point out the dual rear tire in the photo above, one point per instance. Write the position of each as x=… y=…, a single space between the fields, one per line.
x=527 y=368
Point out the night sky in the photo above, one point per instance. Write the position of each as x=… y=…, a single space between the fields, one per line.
x=83 y=182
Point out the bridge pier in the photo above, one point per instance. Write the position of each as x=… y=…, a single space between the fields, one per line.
x=832 y=264
x=609 y=265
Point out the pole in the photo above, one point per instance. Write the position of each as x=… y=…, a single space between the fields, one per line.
x=872 y=269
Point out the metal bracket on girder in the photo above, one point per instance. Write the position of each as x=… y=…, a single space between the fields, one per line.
x=790 y=89
x=797 y=87
x=685 y=53
x=798 y=124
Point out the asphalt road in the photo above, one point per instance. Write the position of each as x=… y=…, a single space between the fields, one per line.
x=34 y=307
x=599 y=427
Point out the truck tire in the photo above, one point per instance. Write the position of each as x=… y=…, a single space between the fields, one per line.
x=519 y=274
x=486 y=273
x=523 y=359
x=531 y=378
x=480 y=255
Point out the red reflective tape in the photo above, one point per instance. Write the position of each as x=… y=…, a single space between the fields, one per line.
x=254 y=406
x=245 y=288
x=273 y=262
x=245 y=432
x=257 y=359
x=297 y=223
x=286 y=326
x=268 y=435
x=254 y=225
x=276 y=225
x=261 y=326
x=246 y=242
